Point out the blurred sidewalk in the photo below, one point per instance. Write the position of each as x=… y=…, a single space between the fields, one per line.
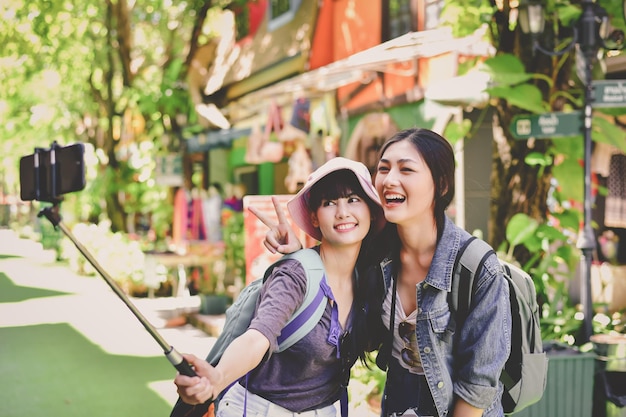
x=94 y=310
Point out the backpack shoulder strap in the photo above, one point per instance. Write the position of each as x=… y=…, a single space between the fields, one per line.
x=238 y=317
x=312 y=308
x=468 y=264
x=310 y=312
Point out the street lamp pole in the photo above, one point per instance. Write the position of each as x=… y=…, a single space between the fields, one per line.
x=586 y=238
x=589 y=35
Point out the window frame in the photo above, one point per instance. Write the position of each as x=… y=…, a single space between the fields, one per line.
x=284 y=18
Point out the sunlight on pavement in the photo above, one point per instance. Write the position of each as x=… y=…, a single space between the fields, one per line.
x=94 y=310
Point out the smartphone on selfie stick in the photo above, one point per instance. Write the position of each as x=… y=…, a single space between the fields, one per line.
x=49 y=173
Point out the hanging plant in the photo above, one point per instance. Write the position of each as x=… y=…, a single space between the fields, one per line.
x=234 y=242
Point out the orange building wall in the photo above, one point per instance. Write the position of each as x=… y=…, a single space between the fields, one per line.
x=322 y=46
x=340 y=28
x=357 y=25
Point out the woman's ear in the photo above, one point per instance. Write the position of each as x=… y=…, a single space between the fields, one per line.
x=443 y=186
x=314 y=221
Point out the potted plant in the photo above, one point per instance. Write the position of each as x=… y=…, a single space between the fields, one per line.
x=226 y=265
x=550 y=256
x=234 y=249
x=121 y=257
x=213 y=298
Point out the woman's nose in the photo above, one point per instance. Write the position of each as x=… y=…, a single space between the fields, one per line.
x=391 y=178
x=342 y=208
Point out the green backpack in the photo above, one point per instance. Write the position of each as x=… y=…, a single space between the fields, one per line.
x=525 y=372
x=240 y=314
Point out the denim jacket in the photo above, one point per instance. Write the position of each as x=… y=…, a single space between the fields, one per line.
x=464 y=362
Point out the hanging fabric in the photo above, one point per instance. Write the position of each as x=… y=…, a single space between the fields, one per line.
x=260 y=148
x=615 y=205
x=195 y=224
x=299 y=124
x=179 y=224
x=300 y=167
x=325 y=133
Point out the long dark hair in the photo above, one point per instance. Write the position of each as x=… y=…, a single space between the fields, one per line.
x=438 y=155
x=339 y=184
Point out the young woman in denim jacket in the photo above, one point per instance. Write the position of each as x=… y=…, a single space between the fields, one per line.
x=432 y=368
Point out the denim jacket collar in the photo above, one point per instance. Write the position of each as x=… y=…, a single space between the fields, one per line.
x=445 y=254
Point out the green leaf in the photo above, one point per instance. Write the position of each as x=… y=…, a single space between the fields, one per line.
x=457 y=131
x=569 y=175
x=520 y=227
x=537 y=158
x=173 y=71
x=611 y=111
x=506 y=70
x=568 y=13
x=526 y=96
x=533 y=243
x=606 y=132
x=568 y=219
x=566 y=252
x=550 y=233
x=568 y=171
x=569 y=147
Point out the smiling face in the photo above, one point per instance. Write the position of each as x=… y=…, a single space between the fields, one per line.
x=405 y=184
x=339 y=207
x=343 y=221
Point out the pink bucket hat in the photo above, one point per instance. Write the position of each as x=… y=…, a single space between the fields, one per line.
x=299 y=208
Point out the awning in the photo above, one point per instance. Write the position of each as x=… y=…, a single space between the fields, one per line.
x=464 y=90
x=365 y=64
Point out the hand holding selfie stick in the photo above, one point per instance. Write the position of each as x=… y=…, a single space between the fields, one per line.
x=176 y=359
x=49 y=173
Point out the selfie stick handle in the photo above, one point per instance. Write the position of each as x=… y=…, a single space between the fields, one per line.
x=175 y=358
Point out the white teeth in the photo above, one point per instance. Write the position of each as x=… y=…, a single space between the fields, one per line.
x=393 y=196
x=345 y=226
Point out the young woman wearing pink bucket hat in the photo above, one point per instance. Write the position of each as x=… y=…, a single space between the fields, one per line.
x=338 y=206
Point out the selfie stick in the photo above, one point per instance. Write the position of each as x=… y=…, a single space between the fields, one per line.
x=175 y=358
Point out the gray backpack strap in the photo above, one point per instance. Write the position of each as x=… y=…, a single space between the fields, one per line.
x=312 y=308
x=468 y=264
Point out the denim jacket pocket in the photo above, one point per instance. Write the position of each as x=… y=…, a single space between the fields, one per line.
x=440 y=324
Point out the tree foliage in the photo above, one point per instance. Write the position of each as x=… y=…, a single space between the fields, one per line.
x=110 y=73
x=525 y=81
x=113 y=74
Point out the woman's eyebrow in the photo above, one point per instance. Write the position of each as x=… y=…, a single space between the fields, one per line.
x=399 y=161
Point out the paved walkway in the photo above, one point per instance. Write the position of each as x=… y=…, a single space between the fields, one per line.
x=93 y=309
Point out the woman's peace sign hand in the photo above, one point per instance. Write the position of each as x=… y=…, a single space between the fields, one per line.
x=280 y=237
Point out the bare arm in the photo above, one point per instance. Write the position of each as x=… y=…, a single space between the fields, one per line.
x=240 y=357
x=280 y=237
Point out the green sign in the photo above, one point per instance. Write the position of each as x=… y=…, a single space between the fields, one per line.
x=609 y=93
x=212 y=139
x=169 y=170
x=547 y=125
